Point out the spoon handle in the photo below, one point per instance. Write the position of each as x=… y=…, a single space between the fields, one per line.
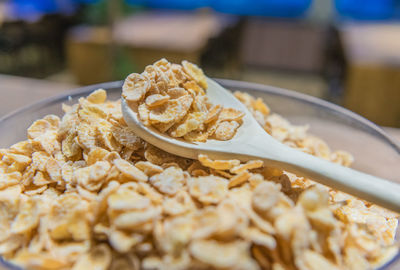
x=373 y=189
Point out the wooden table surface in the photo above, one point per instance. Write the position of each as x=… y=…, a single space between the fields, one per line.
x=17 y=92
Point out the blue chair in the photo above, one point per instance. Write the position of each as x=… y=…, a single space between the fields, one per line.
x=366 y=9
x=270 y=8
x=273 y=8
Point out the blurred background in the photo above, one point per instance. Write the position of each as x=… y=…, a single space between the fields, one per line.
x=344 y=51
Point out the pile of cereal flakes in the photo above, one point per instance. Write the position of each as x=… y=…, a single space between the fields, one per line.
x=172 y=98
x=84 y=192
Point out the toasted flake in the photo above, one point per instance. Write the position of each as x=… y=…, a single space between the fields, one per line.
x=86 y=136
x=232 y=221
x=196 y=136
x=38 y=128
x=19 y=162
x=200 y=103
x=27 y=218
x=252 y=164
x=266 y=195
x=218 y=164
x=191 y=85
x=230 y=114
x=135 y=87
x=219 y=255
x=53 y=168
x=35 y=190
x=163 y=64
x=125 y=199
x=255 y=179
x=41 y=179
x=177 y=75
x=173 y=110
x=149 y=192
x=144 y=114
x=313 y=198
x=176 y=92
x=226 y=130
x=206 y=223
x=208 y=189
x=163 y=127
x=159 y=157
x=179 y=204
x=67 y=173
x=96 y=154
x=22 y=148
x=148 y=168
x=259 y=222
x=126 y=137
x=68 y=218
x=239 y=179
x=168 y=181
x=9 y=179
x=130 y=171
x=259 y=105
x=221 y=173
x=156 y=100
x=196 y=73
x=97 y=97
x=69 y=146
x=212 y=127
x=97 y=174
x=132 y=219
x=213 y=113
x=191 y=122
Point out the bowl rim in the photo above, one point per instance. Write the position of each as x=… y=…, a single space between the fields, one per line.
x=230 y=84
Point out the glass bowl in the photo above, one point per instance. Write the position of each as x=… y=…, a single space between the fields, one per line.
x=374 y=151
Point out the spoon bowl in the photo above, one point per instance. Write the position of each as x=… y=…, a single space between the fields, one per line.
x=213 y=148
x=252 y=142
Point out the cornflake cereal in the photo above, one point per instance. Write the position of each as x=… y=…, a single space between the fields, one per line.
x=172 y=98
x=84 y=192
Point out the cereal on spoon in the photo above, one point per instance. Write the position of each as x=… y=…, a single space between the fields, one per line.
x=172 y=98
x=84 y=192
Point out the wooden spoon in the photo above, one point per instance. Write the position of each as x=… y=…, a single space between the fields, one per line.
x=252 y=142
